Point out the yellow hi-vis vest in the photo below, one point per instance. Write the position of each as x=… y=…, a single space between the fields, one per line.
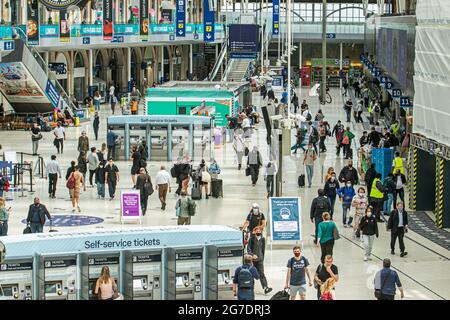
x=398 y=165
x=374 y=192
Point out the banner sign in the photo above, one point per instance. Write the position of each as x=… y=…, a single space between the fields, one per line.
x=32 y=23
x=208 y=22
x=181 y=18
x=285 y=214
x=64 y=27
x=143 y=11
x=90 y=30
x=276 y=17
x=130 y=205
x=52 y=94
x=107 y=20
x=243 y=41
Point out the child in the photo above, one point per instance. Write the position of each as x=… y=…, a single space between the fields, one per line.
x=326 y=289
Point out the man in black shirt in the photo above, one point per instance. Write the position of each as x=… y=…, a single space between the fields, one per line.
x=255 y=219
x=319 y=205
x=325 y=271
x=257 y=248
x=374 y=138
x=112 y=177
x=349 y=173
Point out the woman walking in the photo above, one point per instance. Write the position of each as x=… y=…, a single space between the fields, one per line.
x=325 y=236
x=4 y=217
x=369 y=229
x=82 y=164
x=105 y=286
x=145 y=187
x=204 y=177
x=360 y=203
x=97 y=100
x=136 y=157
x=347 y=139
x=74 y=184
x=239 y=147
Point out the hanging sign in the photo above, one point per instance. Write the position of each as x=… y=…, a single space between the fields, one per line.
x=107 y=20
x=32 y=23
x=208 y=22
x=181 y=18
x=276 y=17
x=143 y=11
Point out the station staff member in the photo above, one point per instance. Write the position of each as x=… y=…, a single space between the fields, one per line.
x=397 y=164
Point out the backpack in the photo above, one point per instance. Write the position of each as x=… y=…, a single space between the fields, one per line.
x=71 y=182
x=314 y=135
x=245 y=279
x=148 y=187
x=173 y=172
x=377 y=108
x=321 y=206
x=308 y=117
x=192 y=206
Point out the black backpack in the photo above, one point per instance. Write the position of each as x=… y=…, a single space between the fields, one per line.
x=321 y=206
x=308 y=117
x=245 y=279
x=173 y=172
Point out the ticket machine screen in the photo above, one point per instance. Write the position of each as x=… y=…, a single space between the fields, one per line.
x=50 y=287
x=6 y=291
x=137 y=283
x=179 y=282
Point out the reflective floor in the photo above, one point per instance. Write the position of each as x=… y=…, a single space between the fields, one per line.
x=424 y=272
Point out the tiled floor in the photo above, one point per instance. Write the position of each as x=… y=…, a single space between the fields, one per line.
x=424 y=272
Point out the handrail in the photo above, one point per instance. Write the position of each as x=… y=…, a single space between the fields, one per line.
x=219 y=62
x=227 y=69
x=50 y=74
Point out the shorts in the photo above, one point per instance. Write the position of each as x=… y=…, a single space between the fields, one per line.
x=301 y=289
x=74 y=193
x=134 y=170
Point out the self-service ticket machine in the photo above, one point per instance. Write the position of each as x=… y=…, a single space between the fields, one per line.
x=95 y=265
x=188 y=281
x=60 y=275
x=228 y=261
x=16 y=280
x=146 y=273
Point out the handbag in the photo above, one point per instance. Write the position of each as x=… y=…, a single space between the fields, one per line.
x=205 y=177
x=36 y=137
x=346 y=140
x=70 y=184
x=27 y=229
x=336 y=235
x=377 y=292
x=148 y=187
x=248 y=171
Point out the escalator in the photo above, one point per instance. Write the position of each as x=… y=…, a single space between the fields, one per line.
x=27 y=83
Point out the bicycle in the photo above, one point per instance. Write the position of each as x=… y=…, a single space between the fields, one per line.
x=327 y=99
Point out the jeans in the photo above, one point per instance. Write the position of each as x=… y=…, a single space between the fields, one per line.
x=347 y=148
x=332 y=203
x=297 y=146
x=345 y=207
x=269 y=185
x=101 y=189
x=246 y=294
x=349 y=114
x=359 y=118
x=112 y=188
x=4 y=228
x=52 y=179
x=386 y=297
x=1 y=192
x=326 y=249
x=96 y=133
x=309 y=173
x=254 y=170
x=35 y=144
x=400 y=233
x=144 y=201
x=60 y=145
x=97 y=105
x=387 y=206
x=368 y=244
x=401 y=193
x=36 y=227
x=259 y=265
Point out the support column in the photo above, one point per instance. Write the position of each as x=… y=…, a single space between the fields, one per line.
x=289 y=38
x=127 y=142
x=161 y=78
x=148 y=139
x=128 y=68
x=169 y=142
x=300 y=66
x=191 y=141
x=91 y=71
x=341 y=74
x=191 y=60
x=324 y=50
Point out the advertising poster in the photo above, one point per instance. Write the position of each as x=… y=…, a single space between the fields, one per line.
x=143 y=21
x=32 y=23
x=166 y=15
x=130 y=205
x=285 y=217
x=64 y=27
x=17 y=84
x=107 y=20
x=52 y=94
x=181 y=18
x=276 y=17
x=208 y=22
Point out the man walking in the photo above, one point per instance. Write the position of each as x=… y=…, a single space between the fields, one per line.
x=52 y=170
x=93 y=161
x=111 y=143
x=60 y=135
x=385 y=282
x=162 y=182
x=111 y=177
x=83 y=143
x=96 y=125
x=254 y=162
x=319 y=205
x=256 y=248
x=244 y=280
x=271 y=171
x=398 y=225
x=296 y=275
x=36 y=216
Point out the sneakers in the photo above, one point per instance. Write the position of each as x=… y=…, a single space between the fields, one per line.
x=392 y=252
x=73 y=210
x=78 y=207
x=365 y=258
x=267 y=290
x=403 y=254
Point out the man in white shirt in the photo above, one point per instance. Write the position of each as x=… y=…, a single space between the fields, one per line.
x=52 y=170
x=112 y=89
x=60 y=135
x=162 y=181
x=246 y=126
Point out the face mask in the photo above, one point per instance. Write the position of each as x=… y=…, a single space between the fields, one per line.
x=349 y=185
x=255 y=211
x=333 y=178
x=350 y=165
x=258 y=234
x=361 y=194
x=297 y=254
x=369 y=214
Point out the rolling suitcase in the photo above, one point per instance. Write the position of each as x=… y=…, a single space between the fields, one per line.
x=216 y=188
x=196 y=193
x=301 y=181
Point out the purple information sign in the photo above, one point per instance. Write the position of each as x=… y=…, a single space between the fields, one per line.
x=130 y=204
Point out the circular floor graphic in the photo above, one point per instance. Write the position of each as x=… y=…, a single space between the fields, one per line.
x=71 y=220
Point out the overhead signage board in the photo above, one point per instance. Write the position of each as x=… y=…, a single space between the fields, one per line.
x=285 y=217
x=181 y=18
x=208 y=22
x=275 y=17
x=406 y=102
x=52 y=94
x=243 y=41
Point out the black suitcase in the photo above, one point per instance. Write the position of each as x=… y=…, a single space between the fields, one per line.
x=281 y=295
x=301 y=181
x=216 y=188
x=196 y=193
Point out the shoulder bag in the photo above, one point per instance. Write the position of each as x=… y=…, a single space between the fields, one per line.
x=206 y=177
x=336 y=235
x=148 y=187
x=71 y=182
x=377 y=292
x=316 y=285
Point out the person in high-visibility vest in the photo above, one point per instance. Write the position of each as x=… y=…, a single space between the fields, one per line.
x=134 y=107
x=397 y=164
x=377 y=196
